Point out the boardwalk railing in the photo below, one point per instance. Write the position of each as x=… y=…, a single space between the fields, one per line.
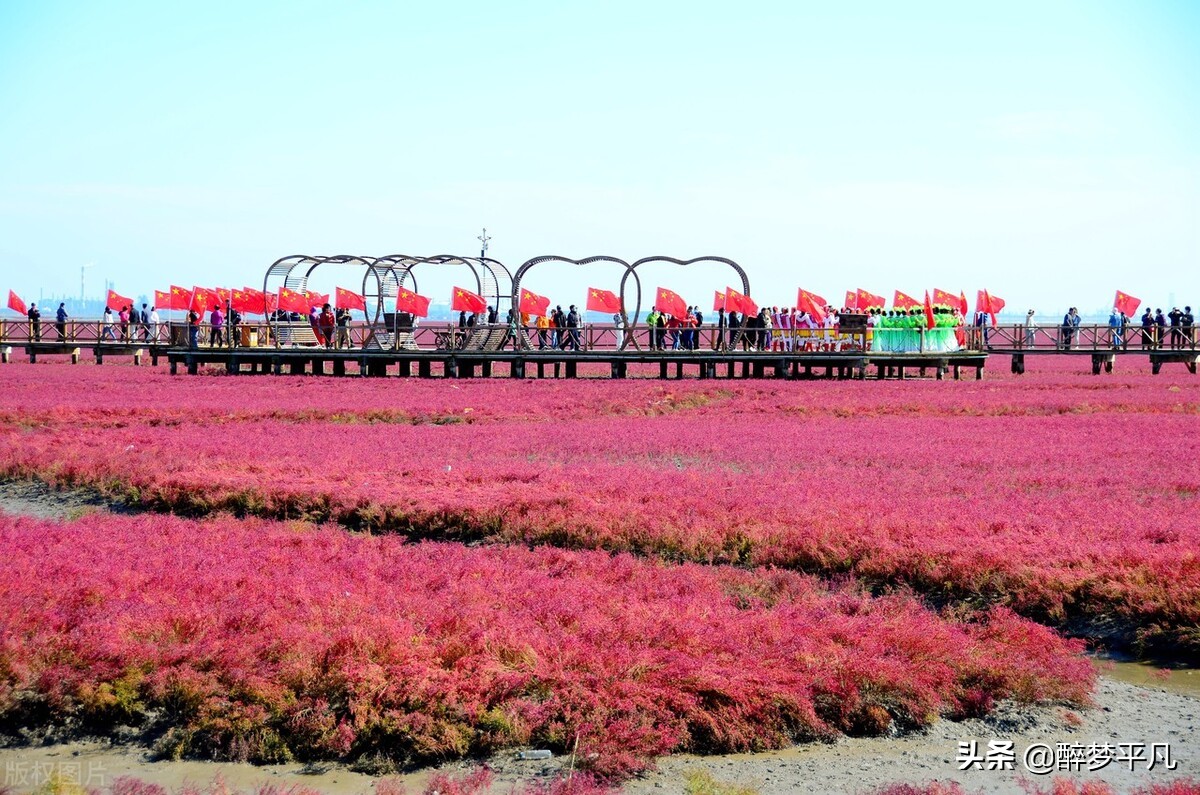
x=1083 y=338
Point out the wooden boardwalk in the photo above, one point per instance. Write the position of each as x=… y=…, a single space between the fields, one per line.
x=571 y=364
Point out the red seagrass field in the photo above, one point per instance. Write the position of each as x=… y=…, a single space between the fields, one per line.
x=421 y=570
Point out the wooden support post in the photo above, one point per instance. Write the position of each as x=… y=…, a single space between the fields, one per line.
x=99 y=356
x=541 y=368
x=174 y=367
x=485 y=368
x=572 y=368
x=703 y=370
x=296 y=367
x=154 y=357
x=956 y=373
x=879 y=368
x=231 y=366
x=558 y=369
x=406 y=367
x=903 y=375
x=339 y=366
x=6 y=354
x=193 y=366
x=424 y=369
x=74 y=356
x=276 y=365
x=679 y=370
x=979 y=372
x=781 y=368
x=451 y=368
x=731 y=369
x=1155 y=365
x=662 y=369
x=614 y=367
x=137 y=355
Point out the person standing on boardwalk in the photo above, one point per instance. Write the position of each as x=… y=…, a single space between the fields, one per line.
x=154 y=321
x=328 y=324
x=144 y=323
x=106 y=326
x=1068 y=328
x=1115 y=328
x=1175 y=317
x=1160 y=328
x=1147 y=329
x=193 y=319
x=235 y=321
x=573 y=327
x=343 y=327
x=60 y=322
x=719 y=343
x=35 y=323
x=1188 y=323
x=217 y=320
x=619 y=329
x=1029 y=329
x=123 y=318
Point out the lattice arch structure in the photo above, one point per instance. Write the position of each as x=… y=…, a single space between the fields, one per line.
x=737 y=269
x=530 y=264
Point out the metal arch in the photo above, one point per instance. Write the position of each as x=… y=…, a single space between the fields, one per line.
x=707 y=258
x=528 y=264
x=282 y=268
x=287 y=269
x=475 y=264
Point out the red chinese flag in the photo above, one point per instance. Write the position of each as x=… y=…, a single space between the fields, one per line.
x=851 y=299
x=162 y=299
x=718 y=300
x=270 y=302
x=993 y=304
x=116 y=301
x=249 y=301
x=410 y=302
x=929 y=321
x=902 y=301
x=347 y=299
x=943 y=298
x=534 y=304
x=1124 y=302
x=204 y=299
x=870 y=300
x=740 y=302
x=16 y=304
x=812 y=303
x=603 y=301
x=181 y=298
x=223 y=296
x=466 y=301
x=669 y=302
x=962 y=304
x=292 y=301
x=317 y=299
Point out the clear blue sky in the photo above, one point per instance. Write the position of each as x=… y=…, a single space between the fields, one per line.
x=1048 y=151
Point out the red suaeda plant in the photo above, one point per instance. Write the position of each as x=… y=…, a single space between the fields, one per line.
x=1032 y=492
x=265 y=641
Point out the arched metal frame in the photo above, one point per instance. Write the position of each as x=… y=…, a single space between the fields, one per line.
x=737 y=336
x=490 y=275
x=529 y=264
x=286 y=270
